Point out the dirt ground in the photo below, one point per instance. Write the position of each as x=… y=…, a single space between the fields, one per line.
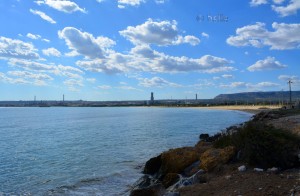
x=252 y=183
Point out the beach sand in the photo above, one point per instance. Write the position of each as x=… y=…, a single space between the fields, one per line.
x=254 y=109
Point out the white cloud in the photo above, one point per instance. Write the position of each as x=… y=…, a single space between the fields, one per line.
x=288 y=77
x=291 y=9
x=257 y=86
x=85 y=43
x=264 y=85
x=73 y=84
x=156 y=82
x=32 y=36
x=46 y=40
x=258 y=2
x=269 y=63
x=91 y=80
x=13 y=48
x=162 y=33
x=104 y=87
x=234 y=85
x=227 y=76
x=51 y=52
x=128 y=88
x=160 y=1
x=59 y=70
x=62 y=5
x=285 y=36
x=278 y=1
x=26 y=74
x=123 y=3
x=43 y=16
x=143 y=58
x=205 y=35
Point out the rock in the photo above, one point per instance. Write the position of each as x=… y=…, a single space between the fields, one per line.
x=176 y=160
x=204 y=136
x=152 y=166
x=172 y=194
x=153 y=190
x=170 y=179
x=192 y=169
x=258 y=169
x=273 y=169
x=242 y=168
x=228 y=177
x=214 y=157
x=144 y=182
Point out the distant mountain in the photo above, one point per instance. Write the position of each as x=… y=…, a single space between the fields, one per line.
x=259 y=96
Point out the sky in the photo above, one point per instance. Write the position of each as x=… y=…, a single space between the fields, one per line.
x=126 y=49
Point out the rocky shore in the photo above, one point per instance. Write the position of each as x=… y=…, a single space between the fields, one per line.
x=259 y=157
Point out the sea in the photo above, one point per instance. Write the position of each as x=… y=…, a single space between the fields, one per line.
x=94 y=150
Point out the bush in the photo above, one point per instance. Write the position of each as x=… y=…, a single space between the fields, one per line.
x=264 y=146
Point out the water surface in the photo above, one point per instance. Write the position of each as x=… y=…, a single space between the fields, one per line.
x=96 y=151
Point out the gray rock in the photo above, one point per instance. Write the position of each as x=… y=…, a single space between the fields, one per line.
x=258 y=169
x=242 y=168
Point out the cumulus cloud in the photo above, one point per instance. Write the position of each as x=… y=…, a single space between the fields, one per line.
x=59 y=70
x=290 y=9
x=123 y=3
x=143 y=58
x=269 y=63
x=43 y=16
x=62 y=5
x=51 y=52
x=13 y=48
x=258 y=2
x=26 y=74
x=32 y=36
x=285 y=36
x=162 y=33
x=156 y=82
x=83 y=43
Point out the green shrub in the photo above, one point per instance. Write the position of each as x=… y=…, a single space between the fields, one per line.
x=264 y=146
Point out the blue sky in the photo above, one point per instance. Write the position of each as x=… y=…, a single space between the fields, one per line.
x=125 y=49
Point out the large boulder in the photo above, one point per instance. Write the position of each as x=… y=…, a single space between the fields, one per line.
x=152 y=166
x=214 y=157
x=170 y=179
x=176 y=160
x=153 y=190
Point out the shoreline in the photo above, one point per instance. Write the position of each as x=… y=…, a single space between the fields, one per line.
x=180 y=171
x=243 y=108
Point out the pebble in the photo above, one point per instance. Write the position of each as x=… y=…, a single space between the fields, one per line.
x=258 y=169
x=228 y=177
x=273 y=169
x=242 y=168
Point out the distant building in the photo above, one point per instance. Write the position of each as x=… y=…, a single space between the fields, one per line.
x=152 y=97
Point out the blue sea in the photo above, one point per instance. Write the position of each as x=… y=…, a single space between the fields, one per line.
x=93 y=151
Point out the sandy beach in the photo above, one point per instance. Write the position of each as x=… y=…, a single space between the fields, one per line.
x=254 y=109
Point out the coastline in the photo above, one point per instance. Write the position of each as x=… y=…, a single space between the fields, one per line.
x=180 y=171
x=253 y=109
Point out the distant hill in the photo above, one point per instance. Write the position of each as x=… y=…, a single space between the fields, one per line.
x=259 y=96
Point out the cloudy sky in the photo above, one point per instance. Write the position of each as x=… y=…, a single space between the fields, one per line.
x=125 y=49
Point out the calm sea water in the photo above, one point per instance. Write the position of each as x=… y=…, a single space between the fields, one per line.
x=93 y=151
